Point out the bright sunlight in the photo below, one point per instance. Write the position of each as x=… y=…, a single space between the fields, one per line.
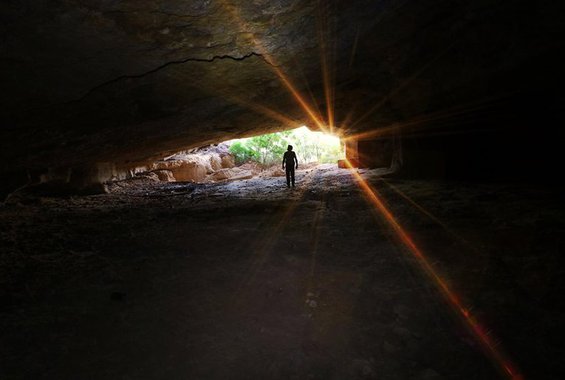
x=268 y=149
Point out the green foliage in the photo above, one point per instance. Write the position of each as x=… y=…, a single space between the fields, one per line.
x=242 y=153
x=269 y=149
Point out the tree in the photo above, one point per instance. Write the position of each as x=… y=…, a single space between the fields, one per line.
x=242 y=153
x=268 y=149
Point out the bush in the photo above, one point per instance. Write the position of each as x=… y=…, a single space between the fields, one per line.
x=242 y=153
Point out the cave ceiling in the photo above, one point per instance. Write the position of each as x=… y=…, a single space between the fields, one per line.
x=126 y=81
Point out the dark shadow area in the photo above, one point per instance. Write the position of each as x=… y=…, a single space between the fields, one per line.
x=133 y=245
x=278 y=284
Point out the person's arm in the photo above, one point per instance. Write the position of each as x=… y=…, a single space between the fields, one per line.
x=296 y=159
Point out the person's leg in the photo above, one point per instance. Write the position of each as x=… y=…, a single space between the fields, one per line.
x=287 y=177
x=292 y=176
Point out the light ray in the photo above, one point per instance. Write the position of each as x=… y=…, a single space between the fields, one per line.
x=264 y=245
x=274 y=66
x=375 y=133
x=487 y=342
x=314 y=239
x=431 y=216
x=324 y=30
x=354 y=49
x=403 y=84
x=423 y=210
x=421 y=122
x=304 y=80
x=238 y=99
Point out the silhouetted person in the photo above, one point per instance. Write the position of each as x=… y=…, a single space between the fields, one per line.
x=289 y=159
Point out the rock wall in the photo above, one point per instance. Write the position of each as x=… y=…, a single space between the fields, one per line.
x=133 y=81
x=59 y=181
x=212 y=163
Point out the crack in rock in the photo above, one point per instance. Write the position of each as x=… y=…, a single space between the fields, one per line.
x=167 y=64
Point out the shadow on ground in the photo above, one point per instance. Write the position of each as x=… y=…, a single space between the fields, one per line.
x=250 y=280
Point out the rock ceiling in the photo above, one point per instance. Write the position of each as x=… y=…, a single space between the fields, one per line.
x=123 y=81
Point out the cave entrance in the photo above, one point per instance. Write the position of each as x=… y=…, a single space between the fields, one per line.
x=251 y=157
x=311 y=147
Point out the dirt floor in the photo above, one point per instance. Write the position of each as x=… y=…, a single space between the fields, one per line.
x=251 y=280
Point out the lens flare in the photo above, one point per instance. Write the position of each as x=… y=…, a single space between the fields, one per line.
x=481 y=335
x=402 y=85
x=274 y=66
x=424 y=122
x=326 y=57
x=262 y=247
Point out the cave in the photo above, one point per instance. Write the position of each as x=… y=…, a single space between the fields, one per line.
x=432 y=250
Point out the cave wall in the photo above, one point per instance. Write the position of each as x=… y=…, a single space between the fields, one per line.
x=476 y=99
x=129 y=82
x=518 y=139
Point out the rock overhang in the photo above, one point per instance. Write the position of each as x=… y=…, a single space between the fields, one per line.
x=131 y=81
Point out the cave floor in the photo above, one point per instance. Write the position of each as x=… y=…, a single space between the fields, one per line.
x=251 y=280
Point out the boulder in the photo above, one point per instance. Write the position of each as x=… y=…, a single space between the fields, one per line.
x=273 y=172
x=231 y=174
x=192 y=169
x=195 y=166
x=151 y=176
x=215 y=162
x=277 y=172
x=165 y=175
x=227 y=161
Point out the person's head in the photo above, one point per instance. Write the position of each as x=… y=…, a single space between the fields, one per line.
x=289 y=148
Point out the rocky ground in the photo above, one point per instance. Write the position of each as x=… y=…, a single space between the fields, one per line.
x=209 y=164
x=249 y=280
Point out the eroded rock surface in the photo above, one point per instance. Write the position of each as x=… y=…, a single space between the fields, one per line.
x=212 y=163
x=129 y=82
